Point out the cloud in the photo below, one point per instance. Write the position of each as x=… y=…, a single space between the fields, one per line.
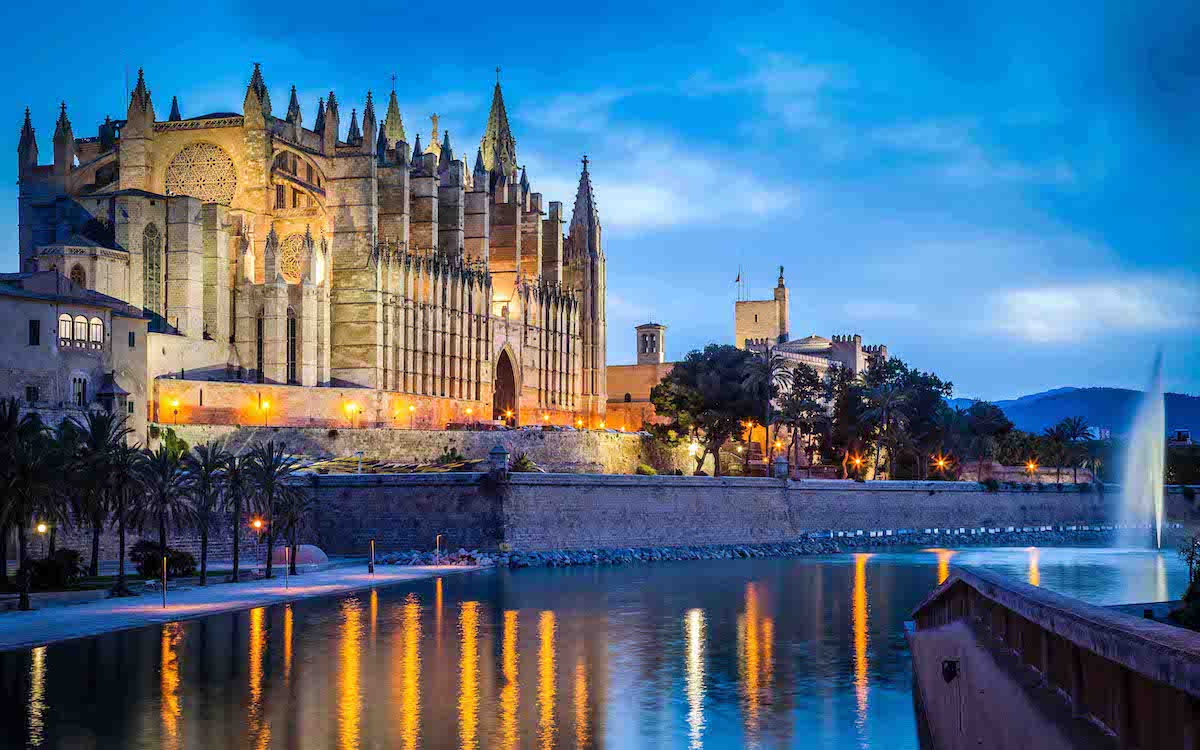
x=876 y=310
x=1067 y=313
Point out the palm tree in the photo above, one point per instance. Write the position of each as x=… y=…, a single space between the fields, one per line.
x=238 y=495
x=272 y=471
x=123 y=491
x=101 y=435
x=293 y=517
x=1056 y=447
x=884 y=410
x=27 y=493
x=165 y=502
x=985 y=423
x=205 y=468
x=767 y=374
x=1075 y=430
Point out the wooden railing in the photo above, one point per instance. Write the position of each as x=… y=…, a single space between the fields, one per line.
x=1138 y=678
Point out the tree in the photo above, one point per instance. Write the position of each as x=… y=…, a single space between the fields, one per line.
x=26 y=491
x=884 y=413
x=767 y=374
x=272 y=472
x=1075 y=430
x=1054 y=443
x=101 y=435
x=706 y=397
x=294 y=516
x=165 y=502
x=239 y=499
x=124 y=492
x=849 y=431
x=986 y=423
x=205 y=466
x=800 y=407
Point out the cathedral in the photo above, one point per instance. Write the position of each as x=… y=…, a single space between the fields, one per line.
x=310 y=271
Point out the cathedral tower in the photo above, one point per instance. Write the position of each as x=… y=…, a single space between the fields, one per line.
x=584 y=272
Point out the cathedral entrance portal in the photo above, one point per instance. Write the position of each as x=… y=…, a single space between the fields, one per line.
x=504 y=398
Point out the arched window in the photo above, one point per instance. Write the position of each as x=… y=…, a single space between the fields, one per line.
x=64 y=329
x=291 y=346
x=78 y=277
x=152 y=269
x=628 y=398
x=81 y=329
x=97 y=332
x=79 y=391
x=258 y=343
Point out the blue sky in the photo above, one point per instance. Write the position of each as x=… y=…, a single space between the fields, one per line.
x=1002 y=193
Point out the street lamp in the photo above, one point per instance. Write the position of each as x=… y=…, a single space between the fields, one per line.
x=352 y=413
x=579 y=423
x=412 y=412
x=1031 y=468
x=42 y=528
x=470 y=411
x=508 y=415
x=175 y=409
x=266 y=410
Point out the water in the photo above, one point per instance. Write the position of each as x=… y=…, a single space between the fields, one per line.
x=803 y=653
x=1142 y=479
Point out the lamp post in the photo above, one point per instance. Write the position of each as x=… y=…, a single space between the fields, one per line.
x=1031 y=468
x=437 y=547
x=42 y=528
x=175 y=409
x=470 y=411
x=508 y=415
x=579 y=424
x=352 y=411
x=266 y=410
x=412 y=415
x=371 y=564
x=257 y=525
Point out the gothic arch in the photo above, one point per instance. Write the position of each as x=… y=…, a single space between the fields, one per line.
x=506 y=389
x=152 y=263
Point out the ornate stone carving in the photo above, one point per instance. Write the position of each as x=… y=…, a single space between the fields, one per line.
x=291 y=258
x=204 y=171
x=215 y=122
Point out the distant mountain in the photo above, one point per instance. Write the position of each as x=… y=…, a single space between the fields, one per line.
x=1101 y=407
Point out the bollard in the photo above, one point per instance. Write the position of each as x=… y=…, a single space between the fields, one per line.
x=781 y=467
x=498 y=460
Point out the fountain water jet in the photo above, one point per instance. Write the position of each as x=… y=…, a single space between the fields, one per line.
x=1142 y=480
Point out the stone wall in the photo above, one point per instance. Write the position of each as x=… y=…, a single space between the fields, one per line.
x=590 y=451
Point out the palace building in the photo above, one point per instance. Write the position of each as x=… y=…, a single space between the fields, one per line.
x=323 y=273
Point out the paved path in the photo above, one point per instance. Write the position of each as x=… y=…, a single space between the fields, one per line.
x=38 y=627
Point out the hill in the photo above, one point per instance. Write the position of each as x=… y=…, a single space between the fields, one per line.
x=1101 y=407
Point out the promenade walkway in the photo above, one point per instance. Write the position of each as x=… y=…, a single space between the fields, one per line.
x=39 y=627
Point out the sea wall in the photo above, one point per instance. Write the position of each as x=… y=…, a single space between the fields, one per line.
x=584 y=452
x=559 y=511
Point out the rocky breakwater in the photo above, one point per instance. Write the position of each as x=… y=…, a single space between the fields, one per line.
x=816 y=545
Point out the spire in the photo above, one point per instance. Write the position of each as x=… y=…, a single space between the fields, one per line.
x=417 y=153
x=354 y=135
x=27 y=146
x=174 y=116
x=447 y=154
x=369 y=110
x=331 y=107
x=393 y=126
x=259 y=87
x=499 y=148
x=293 y=113
x=381 y=147
x=585 y=215
x=319 y=125
x=62 y=128
x=139 y=100
x=524 y=179
x=480 y=172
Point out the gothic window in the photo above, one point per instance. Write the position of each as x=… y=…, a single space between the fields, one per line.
x=293 y=169
x=291 y=346
x=259 y=345
x=152 y=269
x=291 y=258
x=279 y=196
x=64 y=329
x=79 y=391
x=81 y=329
x=78 y=277
x=97 y=332
x=295 y=198
x=308 y=173
x=204 y=171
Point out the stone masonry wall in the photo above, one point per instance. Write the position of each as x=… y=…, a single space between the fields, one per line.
x=591 y=452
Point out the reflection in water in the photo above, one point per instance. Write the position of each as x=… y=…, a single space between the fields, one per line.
x=169 y=684
x=693 y=629
x=546 y=678
x=437 y=614
x=349 y=689
x=260 y=728
x=410 y=694
x=509 y=694
x=943 y=564
x=468 y=670
x=581 y=705
x=1035 y=574
x=1160 y=580
x=859 y=615
x=288 y=618
x=757 y=635
x=37 y=697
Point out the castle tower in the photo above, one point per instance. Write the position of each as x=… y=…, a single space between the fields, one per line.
x=651 y=343
x=762 y=322
x=584 y=272
x=137 y=139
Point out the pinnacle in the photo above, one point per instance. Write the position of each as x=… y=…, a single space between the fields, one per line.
x=175 y=116
x=369 y=110
x=354 y=135
x=293 y=111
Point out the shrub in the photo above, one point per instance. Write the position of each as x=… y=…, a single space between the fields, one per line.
x=146 y=557
x=991 y=485
x=57 y=572
x=678 y=472
x=505 y=547
x=522 y=464
x=450 y=455
x=1188 y=615
x=646 y=470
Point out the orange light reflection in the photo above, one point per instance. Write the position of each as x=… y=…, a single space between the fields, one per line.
x=546 y=680
x=468 y=693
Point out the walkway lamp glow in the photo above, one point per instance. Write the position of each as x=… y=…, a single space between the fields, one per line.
x=579 y=423
x=266 y=410
x=175 y=409
x=41 y=528
x=412 y=412
x=1031 y=467
x=352 y=411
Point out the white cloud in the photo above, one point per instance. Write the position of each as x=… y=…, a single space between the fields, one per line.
x=1065 y=313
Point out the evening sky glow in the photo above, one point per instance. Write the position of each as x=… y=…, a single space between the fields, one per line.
x=1003 y=195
